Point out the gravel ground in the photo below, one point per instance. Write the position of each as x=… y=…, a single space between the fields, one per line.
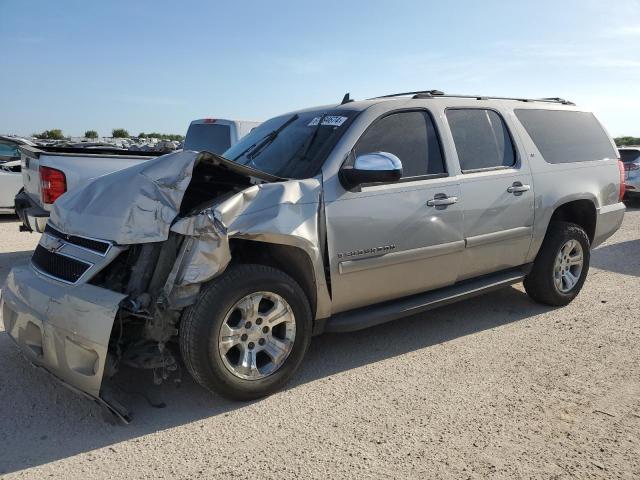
x=495 y=386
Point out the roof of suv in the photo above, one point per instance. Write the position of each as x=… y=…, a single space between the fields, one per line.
x=437 y=96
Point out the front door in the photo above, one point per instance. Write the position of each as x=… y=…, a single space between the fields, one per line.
x=390 y=240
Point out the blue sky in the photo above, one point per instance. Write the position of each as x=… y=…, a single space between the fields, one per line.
x=156 y=65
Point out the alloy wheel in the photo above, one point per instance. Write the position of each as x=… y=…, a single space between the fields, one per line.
x=257 y=335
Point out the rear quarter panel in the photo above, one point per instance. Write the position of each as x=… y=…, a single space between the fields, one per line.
x=557 y=184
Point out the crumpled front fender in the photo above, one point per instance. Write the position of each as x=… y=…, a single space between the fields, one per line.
x=286 y=213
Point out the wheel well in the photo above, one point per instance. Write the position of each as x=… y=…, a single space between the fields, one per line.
x=291 y=260
x=580 y=212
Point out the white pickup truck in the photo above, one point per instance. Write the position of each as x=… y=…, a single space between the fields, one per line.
x=49 y=172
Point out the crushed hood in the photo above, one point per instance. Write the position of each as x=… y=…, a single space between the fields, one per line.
x=137 y=204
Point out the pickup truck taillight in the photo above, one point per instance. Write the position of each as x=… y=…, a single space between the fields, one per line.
x=622 y=185
x=53 y=183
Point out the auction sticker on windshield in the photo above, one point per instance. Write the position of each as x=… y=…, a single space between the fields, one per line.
x=329 y=120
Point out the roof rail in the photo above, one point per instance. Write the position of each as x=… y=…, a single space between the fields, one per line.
x=556 y=99
x=438 y=93
x=423 y=93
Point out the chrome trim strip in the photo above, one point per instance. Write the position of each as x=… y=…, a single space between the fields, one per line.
x=95 y=252
x=394 y=258
x=499 y=236
x=74 y=245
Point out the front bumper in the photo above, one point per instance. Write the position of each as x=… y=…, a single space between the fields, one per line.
x=62 y=328
x=33 y=217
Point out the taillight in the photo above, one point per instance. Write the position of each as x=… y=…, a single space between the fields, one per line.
x=622 y=186
x=53 y=183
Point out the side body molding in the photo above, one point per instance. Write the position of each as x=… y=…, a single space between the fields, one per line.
x=394 y=258
x=500 y=236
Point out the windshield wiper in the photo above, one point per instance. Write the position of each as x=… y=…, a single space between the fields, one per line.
x=256 y=149
x=307 y=145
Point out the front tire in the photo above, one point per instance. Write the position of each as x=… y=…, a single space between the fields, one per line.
x=561 y=266
x=248 y=332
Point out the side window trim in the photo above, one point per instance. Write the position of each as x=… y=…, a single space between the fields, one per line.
x=351 y=155
x=517 y=163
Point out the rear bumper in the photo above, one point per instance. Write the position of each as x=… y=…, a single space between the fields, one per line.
x=61 y=328
x=608 y=221
x=33 y=216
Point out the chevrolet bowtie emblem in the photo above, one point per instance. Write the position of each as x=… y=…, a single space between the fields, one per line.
x=54 y=246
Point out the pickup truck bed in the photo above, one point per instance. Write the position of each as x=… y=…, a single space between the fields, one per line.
x=78 y=165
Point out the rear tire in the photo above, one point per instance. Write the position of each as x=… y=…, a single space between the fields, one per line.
x=239 y=309
x=557 y=275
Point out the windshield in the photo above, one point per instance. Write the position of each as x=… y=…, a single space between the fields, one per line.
x=293 y=145
x=210 y=137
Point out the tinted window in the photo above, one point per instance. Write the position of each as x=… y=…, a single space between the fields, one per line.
x=481 y=139
x=628 y=156
x=563 y=136
x=9 y=150
x=292 y=145
x=208 y=137
x=411 y=137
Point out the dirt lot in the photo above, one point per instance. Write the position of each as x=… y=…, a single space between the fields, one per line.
x=495 y=386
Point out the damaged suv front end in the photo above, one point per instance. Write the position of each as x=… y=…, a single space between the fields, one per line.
x=123 y=257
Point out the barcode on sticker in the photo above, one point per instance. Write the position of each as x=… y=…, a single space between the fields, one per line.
x=329 y=120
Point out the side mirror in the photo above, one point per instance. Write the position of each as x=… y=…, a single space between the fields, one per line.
x=372 y=168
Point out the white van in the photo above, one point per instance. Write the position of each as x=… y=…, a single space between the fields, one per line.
x=215 y=135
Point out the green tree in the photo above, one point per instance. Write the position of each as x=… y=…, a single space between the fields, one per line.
x=162 y=136
x=624 y=141
x=119 y=133
x=91 y=134
x=55 y=134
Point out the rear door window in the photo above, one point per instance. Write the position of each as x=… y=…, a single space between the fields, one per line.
x=410 y=136
x=563 y=136
x=481 y=139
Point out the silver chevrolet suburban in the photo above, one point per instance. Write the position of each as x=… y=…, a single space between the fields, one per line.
x=333 y=219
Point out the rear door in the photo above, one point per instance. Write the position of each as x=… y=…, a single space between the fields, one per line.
x=496 y=191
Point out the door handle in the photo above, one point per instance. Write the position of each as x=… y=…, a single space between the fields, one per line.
x=518 y=188
x=441 y=200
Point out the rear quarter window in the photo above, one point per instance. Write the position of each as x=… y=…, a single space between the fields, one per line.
x=565 y=137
